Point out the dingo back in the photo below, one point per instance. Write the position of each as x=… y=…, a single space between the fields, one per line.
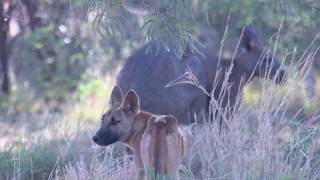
x=163 y=146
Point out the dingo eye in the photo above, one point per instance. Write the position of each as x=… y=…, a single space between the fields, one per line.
x=114 y=121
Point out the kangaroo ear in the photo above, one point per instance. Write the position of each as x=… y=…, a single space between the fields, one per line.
x=131 y=103
x=250 y=38
x=116 y=96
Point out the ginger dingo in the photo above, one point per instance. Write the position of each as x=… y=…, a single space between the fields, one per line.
x=157 y=142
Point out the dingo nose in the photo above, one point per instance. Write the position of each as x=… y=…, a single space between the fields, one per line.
x=95 y=138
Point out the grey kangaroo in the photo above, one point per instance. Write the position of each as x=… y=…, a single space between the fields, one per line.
x=149 y=70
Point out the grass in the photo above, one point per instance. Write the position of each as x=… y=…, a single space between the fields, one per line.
x=255 y=148
x=266 y=140
x=36 y=140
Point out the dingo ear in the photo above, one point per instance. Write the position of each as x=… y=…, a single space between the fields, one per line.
x=116 y=96
x=131 y=103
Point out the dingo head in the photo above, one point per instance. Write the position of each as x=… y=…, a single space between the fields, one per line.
x=117 y=121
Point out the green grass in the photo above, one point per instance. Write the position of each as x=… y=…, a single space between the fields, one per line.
x=267 y=139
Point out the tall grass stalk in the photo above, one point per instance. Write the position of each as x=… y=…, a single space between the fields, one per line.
x=261 y=142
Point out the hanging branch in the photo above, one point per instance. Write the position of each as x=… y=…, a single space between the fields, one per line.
x=170 y=24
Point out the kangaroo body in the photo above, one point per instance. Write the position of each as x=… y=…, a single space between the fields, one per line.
x=149 y=70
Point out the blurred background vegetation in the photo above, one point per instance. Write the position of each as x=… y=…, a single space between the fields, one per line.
x=59 y=58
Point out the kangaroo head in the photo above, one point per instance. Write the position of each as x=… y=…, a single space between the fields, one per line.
x=116 y=122
x=255 y=60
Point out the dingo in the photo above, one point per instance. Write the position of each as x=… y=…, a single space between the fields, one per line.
x=157 y=141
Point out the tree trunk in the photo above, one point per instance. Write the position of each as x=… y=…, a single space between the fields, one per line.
x=4 y=55
x=32 y=8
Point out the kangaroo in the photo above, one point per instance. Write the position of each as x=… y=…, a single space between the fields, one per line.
x=157 y=141
x=237 y=73
x=149 y=70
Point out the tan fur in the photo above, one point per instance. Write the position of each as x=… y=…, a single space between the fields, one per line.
x=163 y=144
x=157 y=141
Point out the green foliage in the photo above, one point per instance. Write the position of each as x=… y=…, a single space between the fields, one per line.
x=40 y=159
x=185 y=173
x=34 y=163
x=173 y=24
x=169 y=23
x=90 y=87
x=61 y=60
x=291 y=6
x=301 y=145
x=51 y=58
x=111 y=18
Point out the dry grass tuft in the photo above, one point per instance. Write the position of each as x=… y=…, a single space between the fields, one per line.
x=264 y=140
